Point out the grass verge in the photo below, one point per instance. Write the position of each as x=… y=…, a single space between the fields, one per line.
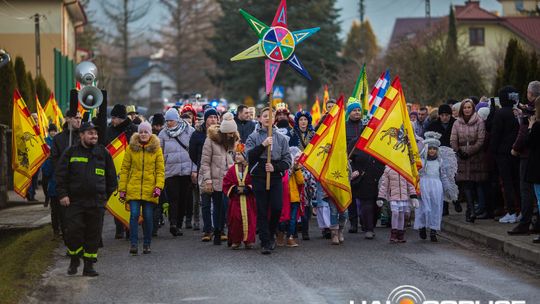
x=24 y=257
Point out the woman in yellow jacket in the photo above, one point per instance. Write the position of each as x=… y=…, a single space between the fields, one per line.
x=141 y=181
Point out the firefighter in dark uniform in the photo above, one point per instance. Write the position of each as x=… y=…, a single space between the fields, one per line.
x=86 y=177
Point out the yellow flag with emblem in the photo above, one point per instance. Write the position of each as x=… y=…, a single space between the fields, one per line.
x=29 y=149
x=326 y=157
x=43 y=121
x=53 y=112
x=389 y=136
x=117 y=149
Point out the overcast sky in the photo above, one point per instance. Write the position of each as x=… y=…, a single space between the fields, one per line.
x=381 y=13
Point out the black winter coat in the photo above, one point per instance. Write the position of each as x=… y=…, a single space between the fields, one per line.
x=126 y=126
x=504 y=131
x=196 y=143
x=366 y=186
x=437 y=126
x=244 y=128
x=61 y=142
x=532 y=174
x=86 y=175
x=353 y=129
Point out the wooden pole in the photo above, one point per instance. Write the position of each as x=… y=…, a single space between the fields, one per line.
x=269 y=148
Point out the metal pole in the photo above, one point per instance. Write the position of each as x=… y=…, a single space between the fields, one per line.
x=362 y=11
x=269 y=148
x=38 y=45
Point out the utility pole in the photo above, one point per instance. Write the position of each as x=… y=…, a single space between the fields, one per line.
x=428 y=12
x=362 y=11
x=38 y=44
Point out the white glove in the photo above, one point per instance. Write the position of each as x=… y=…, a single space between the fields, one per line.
x=415 y=203
x=379 y=203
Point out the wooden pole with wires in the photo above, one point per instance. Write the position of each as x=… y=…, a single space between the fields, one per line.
x=270 y=127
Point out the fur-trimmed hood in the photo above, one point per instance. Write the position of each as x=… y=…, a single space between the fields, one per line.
x=215 y=135
x=151 y=147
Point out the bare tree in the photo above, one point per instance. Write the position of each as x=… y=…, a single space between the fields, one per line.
x=122 y=14
x=185 y=39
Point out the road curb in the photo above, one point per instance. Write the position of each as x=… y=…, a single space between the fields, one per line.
x=500 y=243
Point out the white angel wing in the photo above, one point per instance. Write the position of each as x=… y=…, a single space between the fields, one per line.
x=449 y=169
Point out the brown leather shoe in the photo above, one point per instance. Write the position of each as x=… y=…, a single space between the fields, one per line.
x=291 y=242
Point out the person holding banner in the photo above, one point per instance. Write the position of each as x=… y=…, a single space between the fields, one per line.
x=269 y=202
x=141 y=181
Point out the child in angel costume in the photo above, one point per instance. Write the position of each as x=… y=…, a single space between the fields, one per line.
x=437 y=184
x=242 y=211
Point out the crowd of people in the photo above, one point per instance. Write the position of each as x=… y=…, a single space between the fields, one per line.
x=239 y=172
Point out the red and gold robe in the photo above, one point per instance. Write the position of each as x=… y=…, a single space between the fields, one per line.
x=242 y=210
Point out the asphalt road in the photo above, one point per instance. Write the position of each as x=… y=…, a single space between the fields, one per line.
x=185 y=270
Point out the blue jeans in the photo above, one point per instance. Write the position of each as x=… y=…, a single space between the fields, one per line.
x=292 y=221
x=216 y=219
x=148 y=217
x=337 y=219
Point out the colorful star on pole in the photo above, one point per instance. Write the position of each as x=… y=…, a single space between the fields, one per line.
x=276 y=43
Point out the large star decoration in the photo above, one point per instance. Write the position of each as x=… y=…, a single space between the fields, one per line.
x=276 y=43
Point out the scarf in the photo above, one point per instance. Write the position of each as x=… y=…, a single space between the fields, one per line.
x=176 y=131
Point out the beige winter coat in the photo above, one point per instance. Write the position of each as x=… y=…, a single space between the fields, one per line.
x=215 y=160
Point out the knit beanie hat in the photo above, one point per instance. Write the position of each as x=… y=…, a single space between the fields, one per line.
x=119 y=111
x=350 y=107
x=158 y=119
x=52 y=127
x=208 y=112
x=228 y=125
x=172 y=114
x=445 y=109
x=189 y=108
x=145 y=126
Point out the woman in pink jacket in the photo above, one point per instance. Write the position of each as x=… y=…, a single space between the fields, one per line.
x=398 y=191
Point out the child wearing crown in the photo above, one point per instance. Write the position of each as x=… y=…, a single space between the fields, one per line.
x=242 y=211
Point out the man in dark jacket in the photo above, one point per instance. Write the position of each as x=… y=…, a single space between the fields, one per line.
x=62 y=140
x=521 y=150
x=196 y=143
x=120 y=122
x=353 y=130
x=366 y=172
x=505 y=127
x=443 y=125
x=245 y=125
x=85 y=177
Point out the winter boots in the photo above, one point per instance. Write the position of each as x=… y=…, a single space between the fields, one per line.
x=401 y=236
x=423 y=233
x=433 y=235
x=217 y=237
x=291 y=242
x=280 y=239
x=73 y=265
x=393 y=236
x=341 y=237
x=334 y=236
x=88 y=270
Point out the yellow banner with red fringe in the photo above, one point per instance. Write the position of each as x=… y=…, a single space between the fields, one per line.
x=29 y=149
